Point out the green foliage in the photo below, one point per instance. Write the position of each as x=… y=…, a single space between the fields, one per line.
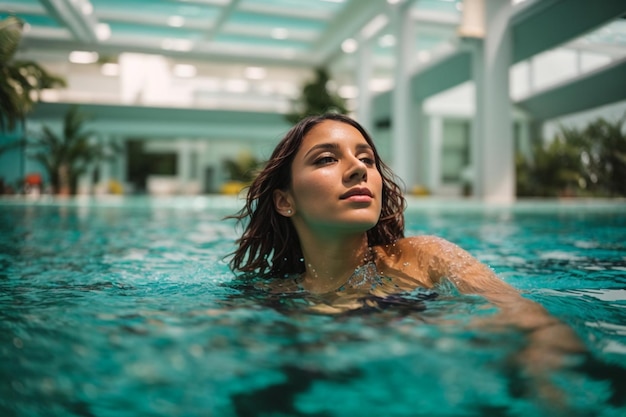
x=68 y=156
x=20 y=81
x=243 y=168
x=588 y=162
x=316 y=99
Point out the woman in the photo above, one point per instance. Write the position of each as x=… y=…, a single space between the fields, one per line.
x=325 y=216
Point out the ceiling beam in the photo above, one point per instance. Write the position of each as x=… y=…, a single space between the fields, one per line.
x=594 y=89
x=222 y=19
x=31 y=45
x=81 y=25
x=346 y=24
x=160 y=122
x=547 y=24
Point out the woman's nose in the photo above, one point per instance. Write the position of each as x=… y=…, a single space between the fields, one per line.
x=356 y=170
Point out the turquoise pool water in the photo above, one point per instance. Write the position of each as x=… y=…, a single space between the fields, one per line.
x=127 y=308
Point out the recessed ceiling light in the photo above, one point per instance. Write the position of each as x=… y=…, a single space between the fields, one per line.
x=349 y=46
x=387 y=40
x=86 y=8
x=280 y=33
x=83 y=57
x=177 y=44
x=348 y=91
x=103 y=31
x=176 y=21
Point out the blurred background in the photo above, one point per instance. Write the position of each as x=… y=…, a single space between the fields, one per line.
x=494 y=99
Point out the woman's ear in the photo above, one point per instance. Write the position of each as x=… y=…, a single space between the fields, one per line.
x=283 y=203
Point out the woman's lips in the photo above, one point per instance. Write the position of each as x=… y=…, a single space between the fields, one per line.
x=357 y=194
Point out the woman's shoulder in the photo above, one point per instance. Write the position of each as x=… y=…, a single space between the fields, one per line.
x=410 y=260
x=424 y=251
x=418 y=244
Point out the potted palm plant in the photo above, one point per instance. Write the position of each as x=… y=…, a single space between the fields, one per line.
x=21 y=83
x=67 y=156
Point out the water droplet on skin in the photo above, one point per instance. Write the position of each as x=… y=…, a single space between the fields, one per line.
x=301 y=259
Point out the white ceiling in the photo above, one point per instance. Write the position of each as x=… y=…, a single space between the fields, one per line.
x=226 y=39
x=300 y=33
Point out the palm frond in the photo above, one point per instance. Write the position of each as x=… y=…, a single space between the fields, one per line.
x=21 y=82
x=10 y=36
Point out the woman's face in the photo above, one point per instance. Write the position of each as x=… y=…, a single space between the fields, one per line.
x=335 y=183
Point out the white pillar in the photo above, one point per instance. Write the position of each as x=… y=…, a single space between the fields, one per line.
x=495 y=162
x=402 y=153
x=477 y=129
x=421 y=174
x=364 y=74
x=434 y=153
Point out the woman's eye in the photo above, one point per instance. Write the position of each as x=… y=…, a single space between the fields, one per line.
x=367 y=160
x=324 y=160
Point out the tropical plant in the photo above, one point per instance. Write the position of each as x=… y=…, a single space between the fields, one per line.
x=68 y=156
x=20 y=81
x=579 y=162
x=243 y=168
x=317 y=99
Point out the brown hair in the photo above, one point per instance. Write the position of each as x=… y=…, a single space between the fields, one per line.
x=269 y=235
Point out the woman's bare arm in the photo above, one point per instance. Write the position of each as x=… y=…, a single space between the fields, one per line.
x=550 y=342
x=445 y=260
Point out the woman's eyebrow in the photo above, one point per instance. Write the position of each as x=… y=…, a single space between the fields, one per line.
x=334 y=146
x=364 y=147
x=330 y=146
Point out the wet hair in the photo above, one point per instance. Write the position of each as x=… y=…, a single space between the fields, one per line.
x=269 y=245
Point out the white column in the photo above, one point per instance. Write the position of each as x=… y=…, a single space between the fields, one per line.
x=402 y=153
x=364 y=74
x=421 y=173
x=434 y=152
x=476 y=134
x=495 y=164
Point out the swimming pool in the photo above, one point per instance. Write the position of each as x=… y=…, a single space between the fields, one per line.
x=126 y=307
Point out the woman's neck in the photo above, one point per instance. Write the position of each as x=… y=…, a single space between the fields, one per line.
x=330 y=263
